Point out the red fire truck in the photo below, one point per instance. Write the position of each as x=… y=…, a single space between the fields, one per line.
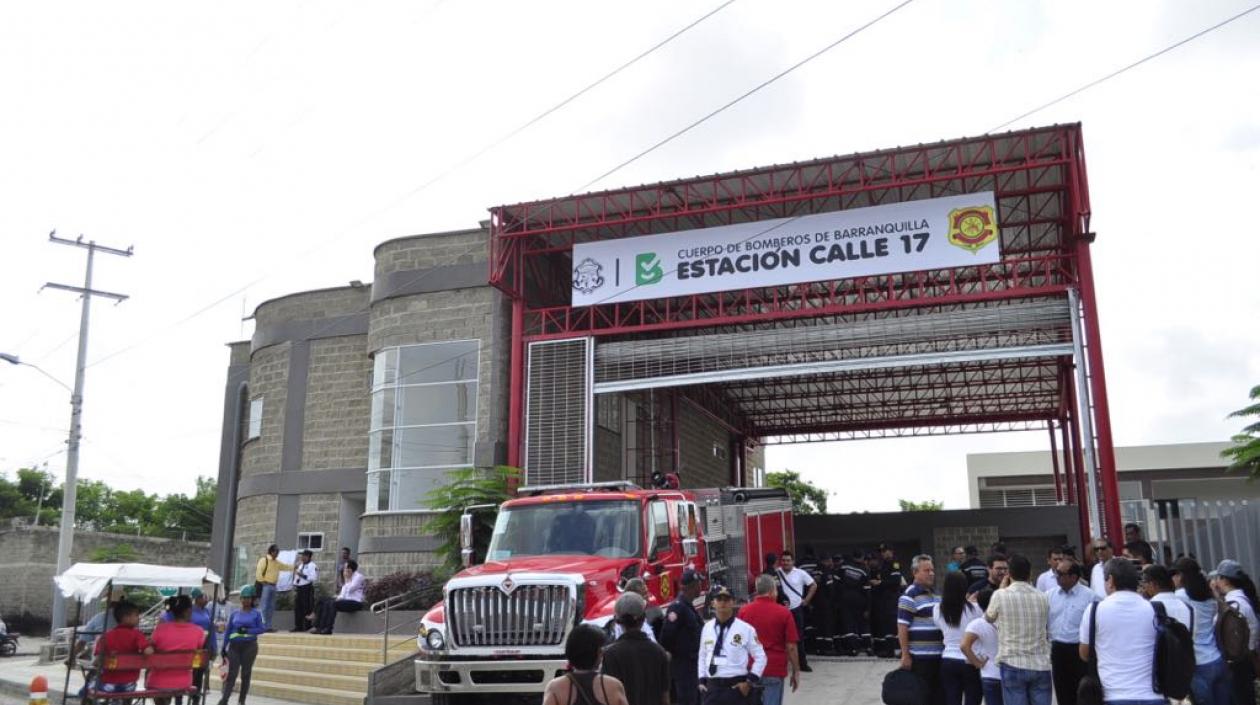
x=560 y=556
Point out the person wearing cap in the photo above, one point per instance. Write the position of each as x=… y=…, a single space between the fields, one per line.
x=240 y=645
x=638 y=587
x=305 y=575
x=776 y=630
x=680 y=635
x=639 y=663
x=1236 y=589
x=726 y=645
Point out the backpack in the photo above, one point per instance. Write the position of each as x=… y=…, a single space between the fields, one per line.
x=1233 y=636
x=1174 y=655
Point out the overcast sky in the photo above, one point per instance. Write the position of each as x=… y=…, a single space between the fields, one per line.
x=249 y=150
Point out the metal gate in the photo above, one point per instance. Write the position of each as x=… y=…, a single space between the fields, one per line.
x=559 y=414
x=1209 y=530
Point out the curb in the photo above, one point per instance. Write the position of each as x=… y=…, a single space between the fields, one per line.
x=23 y=690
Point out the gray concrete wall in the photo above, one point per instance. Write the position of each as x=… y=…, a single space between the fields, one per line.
x=28 y=562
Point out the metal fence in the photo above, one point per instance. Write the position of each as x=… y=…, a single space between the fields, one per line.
x=1208 y=530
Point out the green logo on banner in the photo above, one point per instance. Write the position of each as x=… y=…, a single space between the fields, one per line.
x=647 y=269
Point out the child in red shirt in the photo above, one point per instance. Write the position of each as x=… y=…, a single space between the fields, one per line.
x=122 y=639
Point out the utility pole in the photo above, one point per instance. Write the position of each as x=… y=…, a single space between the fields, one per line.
x=66 y=540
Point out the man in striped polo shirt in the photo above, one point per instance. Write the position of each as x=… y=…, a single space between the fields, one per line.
x=921 y=642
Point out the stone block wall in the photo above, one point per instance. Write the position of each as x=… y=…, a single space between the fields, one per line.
x=697 y=435
x=322 y=513
x=269 y=379
x=946 y=537
x=255 y=530
x=28 y=563
x=433 y=250
x=338 y=404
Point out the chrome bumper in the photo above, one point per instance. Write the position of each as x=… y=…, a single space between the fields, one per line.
x=491 y=676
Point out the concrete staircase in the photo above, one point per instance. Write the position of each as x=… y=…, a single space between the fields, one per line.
x=320 y=670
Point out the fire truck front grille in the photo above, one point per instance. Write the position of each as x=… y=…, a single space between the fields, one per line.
x=531 y=615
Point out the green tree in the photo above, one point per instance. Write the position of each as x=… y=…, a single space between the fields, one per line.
x=1245 y=454
x=118 y=553
x=465 y=488
x=930 y=505
x=193 y=516
x=806 y=498
x=31 y=490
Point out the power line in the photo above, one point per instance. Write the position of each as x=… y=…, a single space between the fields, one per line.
x=747 y=94
x=1133 y=65
x=398 y=200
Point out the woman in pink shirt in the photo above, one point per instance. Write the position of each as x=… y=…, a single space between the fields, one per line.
x=180 y=634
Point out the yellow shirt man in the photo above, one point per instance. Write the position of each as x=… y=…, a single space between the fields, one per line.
x=268 y=570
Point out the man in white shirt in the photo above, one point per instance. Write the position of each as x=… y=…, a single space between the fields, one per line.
x=1157 y=586
x=800 y=588
x=305 y=575
x=727 y=643
x=1103 y=552
x=1125 y=638
x=1069 y=600
x=1047 y=581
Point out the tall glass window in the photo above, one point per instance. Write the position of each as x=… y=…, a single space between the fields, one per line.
x=424 y=421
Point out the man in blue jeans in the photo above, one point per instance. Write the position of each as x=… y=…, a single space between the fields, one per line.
x=1021 y=613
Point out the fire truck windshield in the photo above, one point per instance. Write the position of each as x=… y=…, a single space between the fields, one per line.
x=594 y=528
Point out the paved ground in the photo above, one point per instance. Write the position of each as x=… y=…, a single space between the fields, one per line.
x=833 y=682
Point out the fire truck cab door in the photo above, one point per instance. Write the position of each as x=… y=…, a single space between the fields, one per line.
x=665 y=553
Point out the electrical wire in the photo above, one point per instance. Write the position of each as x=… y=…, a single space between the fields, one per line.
x=398 y=200
x=1121 y=70
x=740 y=98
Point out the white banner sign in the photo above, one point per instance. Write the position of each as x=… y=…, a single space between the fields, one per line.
x=939 y=233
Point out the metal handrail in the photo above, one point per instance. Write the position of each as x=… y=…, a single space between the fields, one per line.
x=393 y=603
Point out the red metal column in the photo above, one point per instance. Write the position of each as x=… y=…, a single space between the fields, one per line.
x=1109 y=496
x=516 y=383
x=1054 y=460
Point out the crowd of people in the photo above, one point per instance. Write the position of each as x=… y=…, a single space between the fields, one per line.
x=1132 y=630
x=994 y=631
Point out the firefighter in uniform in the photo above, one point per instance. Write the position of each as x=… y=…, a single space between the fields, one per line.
x=726 y=645
x=822 y=614
x=973 y=567
x=887 y=584
x=680 y=635
x=853 y=604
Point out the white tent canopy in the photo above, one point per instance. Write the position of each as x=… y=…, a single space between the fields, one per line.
x=86 y=581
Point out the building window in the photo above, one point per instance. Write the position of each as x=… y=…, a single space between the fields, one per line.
x=312 y=540
x=424 y=421
x=255 y=418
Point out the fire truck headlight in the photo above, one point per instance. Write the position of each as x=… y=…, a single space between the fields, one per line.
x=434 y=640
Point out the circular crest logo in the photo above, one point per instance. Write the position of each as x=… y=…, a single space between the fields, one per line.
x=588 y=276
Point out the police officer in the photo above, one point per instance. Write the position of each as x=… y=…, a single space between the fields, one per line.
x=887 y=584
x=680 y=635
x=726 y=644
x=823 y=610
x=853 y=604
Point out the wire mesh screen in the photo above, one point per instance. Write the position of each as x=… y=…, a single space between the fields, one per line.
x=1019 y=324
x=556 y=412
x=1209 y=530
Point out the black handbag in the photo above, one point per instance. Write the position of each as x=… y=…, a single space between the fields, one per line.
x=903 y=687
x=1090 y=691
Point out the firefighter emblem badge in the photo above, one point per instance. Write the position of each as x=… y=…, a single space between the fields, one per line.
x=666 y=588
x=737 y=639
x=972 y=228
x=588 y=276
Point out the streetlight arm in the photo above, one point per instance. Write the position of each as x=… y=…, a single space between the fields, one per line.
x=14 y=360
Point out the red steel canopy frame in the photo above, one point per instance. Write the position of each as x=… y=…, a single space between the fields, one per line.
x=1039 y=178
